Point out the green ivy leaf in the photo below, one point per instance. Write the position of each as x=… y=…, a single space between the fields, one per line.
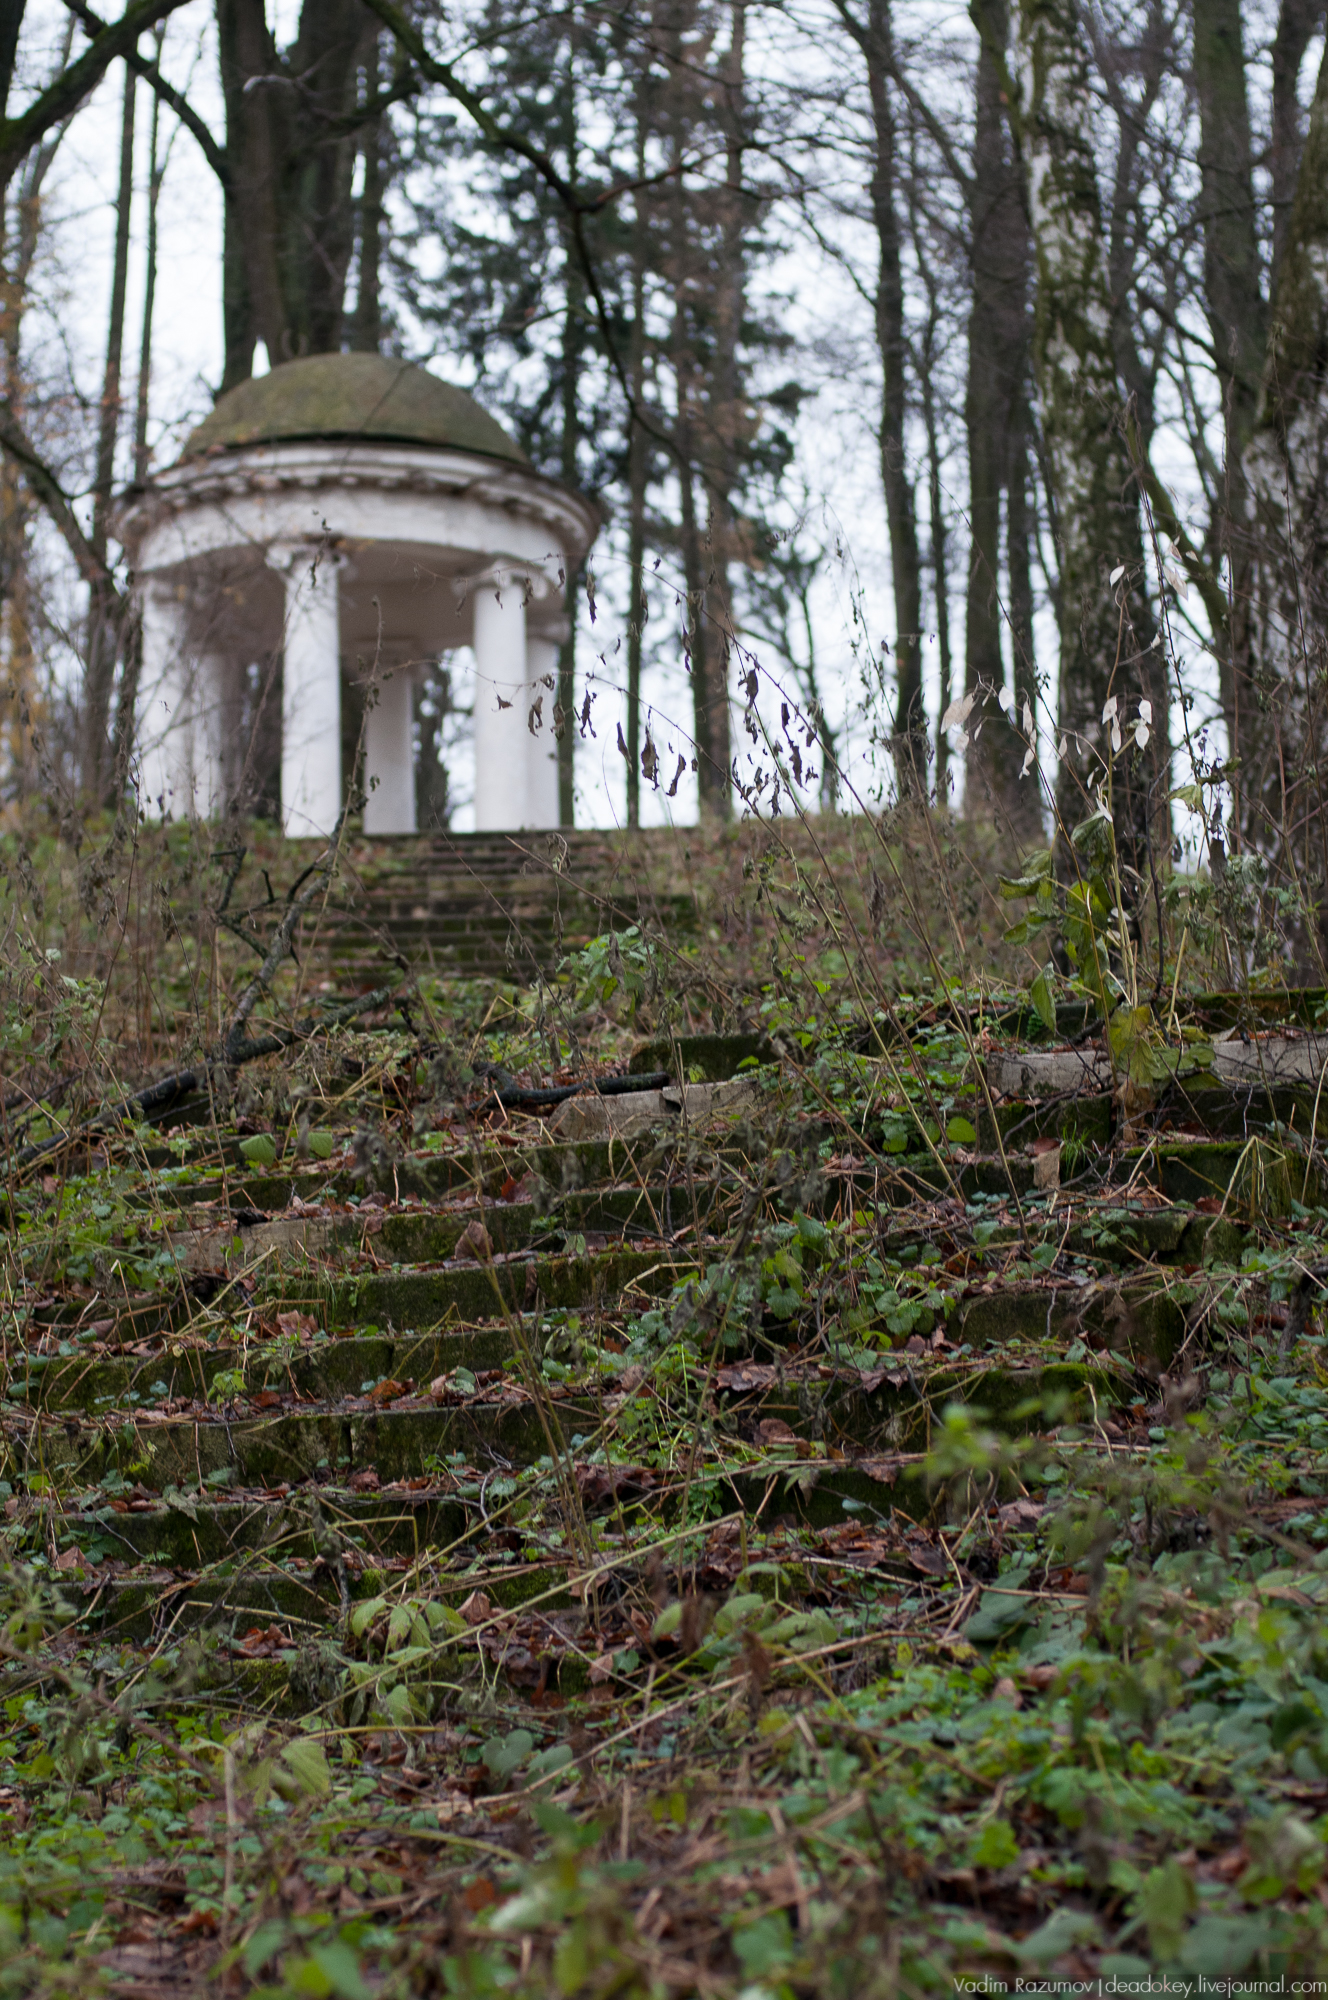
x=307 y=1763
x=1043 y=998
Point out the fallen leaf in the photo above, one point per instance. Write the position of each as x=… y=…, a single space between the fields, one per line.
x=390 y=1390
x=773 y=1430
x=198 y=1920
x=261 y=1642
x=477 y=1608
x=473 y=1244
x=297 y=1325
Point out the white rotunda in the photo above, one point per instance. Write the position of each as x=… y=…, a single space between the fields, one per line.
x=330 y=530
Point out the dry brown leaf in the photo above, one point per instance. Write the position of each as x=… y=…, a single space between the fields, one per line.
x=474 y=1245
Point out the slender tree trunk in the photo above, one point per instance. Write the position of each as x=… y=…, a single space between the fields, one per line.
x=825 y=735
x=637 y=471
x=103 y=633
x=126 y=711
x=1285 y=735
x=20 y=235
x=142 y=460
x=710 y=783
x=1297 y=23
x=939 y=565
x=367 y=327
x=1026 y=811
x=997 y=371
x=702 y=343
x=876 y=40
x=1097 y=501
x=573 y=345
x=1237 y=317
x=565 y=699
x=728 y=419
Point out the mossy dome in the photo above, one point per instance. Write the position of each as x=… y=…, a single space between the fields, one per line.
x=354 y=397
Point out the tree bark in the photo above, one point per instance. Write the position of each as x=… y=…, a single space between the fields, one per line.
x=292 y=125
x=367 y=331
x=1297 y=22
x=1103 y=653
x=1237 y=317
x=875 y=39
x=998 y=362
x=143 y=388
x=1284 y=738
x=637 y=479
x=104 y=635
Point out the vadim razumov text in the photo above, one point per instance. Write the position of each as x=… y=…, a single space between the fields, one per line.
x=1166 y=1985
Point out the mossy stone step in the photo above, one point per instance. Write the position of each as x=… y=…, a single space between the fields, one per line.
x=147 y=1605
x=321 y=1371
x=192 y=1530
x=426 y=1236
x=562 y=1168
x=286 y=1448
x=322 y=1442
x=399 y=1299
x=1229 y=1111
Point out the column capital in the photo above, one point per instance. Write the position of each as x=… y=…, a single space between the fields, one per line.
x=287 y=556
x=531 y=579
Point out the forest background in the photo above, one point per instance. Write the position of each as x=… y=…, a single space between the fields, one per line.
x=948 y=376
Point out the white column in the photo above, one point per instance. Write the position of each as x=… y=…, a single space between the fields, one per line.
x=311 y=692
x=165 y=724
x=209 y=734
x=501 y=775
x=541 y=744
x=389 y=754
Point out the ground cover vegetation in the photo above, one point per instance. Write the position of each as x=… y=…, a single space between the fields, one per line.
x=692 y=1464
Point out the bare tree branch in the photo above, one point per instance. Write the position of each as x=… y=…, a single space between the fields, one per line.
x=19 y=135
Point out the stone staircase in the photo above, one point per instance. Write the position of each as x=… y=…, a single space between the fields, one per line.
x=352 y=1376
x=494 y=905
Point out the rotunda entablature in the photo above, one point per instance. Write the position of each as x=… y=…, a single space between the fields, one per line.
x=373 y=492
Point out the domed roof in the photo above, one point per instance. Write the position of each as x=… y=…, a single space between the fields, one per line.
x=352 y=396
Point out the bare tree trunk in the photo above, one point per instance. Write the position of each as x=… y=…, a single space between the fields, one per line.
x=1297 y=23
x=20 y=232
x=1019 y=537
x=103 y=627
x=998 y=361
x=706 y=323
x=156 y=173
x=1236 y=313
x=367 y=328
x=126 y=710
x=565 y=698
x=875 y=38
x=637 y=472
x=1097 y=500
x=1288 y=470
x=939 y=565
